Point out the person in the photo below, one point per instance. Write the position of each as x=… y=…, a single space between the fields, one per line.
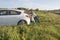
x=33 y=16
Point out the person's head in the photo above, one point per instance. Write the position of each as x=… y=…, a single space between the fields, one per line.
x=30 y=12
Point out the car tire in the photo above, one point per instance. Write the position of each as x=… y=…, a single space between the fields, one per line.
x=22 y=22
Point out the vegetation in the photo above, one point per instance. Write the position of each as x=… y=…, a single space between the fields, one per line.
x=47 y=29
x=57 y=11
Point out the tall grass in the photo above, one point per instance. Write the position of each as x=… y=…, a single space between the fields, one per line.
x=47 y=29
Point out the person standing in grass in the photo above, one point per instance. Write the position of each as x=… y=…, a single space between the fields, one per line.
x=33 y=16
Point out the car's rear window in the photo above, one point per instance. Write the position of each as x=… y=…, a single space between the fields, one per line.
x=14 y=12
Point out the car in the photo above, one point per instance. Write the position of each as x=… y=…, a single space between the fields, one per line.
x=13 y=17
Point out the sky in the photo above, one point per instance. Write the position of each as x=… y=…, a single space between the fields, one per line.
x=40 y=4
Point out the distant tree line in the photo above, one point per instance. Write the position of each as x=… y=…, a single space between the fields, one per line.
x=21 y=8
x=54 y=11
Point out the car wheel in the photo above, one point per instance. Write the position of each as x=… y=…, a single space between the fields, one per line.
x=22 y=22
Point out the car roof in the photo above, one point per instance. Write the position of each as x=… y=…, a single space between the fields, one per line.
x=13 y=10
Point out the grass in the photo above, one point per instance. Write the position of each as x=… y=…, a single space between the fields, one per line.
x=47 y=29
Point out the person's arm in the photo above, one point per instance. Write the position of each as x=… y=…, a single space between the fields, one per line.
x=34 y=14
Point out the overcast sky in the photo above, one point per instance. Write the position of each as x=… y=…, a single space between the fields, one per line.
x=41 y=4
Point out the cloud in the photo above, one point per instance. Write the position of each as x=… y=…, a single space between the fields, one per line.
x=29 y=3
x=32 y=4
x=41 y=4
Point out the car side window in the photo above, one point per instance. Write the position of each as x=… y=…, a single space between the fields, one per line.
x=14 y=13
x=3 y=12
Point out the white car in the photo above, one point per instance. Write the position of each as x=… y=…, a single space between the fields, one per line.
x=13 y=17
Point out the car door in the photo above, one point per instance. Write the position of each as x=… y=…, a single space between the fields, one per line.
x=11 y=18
x=2 y=14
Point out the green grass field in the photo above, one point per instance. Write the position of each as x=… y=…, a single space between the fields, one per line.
x=47 y=29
